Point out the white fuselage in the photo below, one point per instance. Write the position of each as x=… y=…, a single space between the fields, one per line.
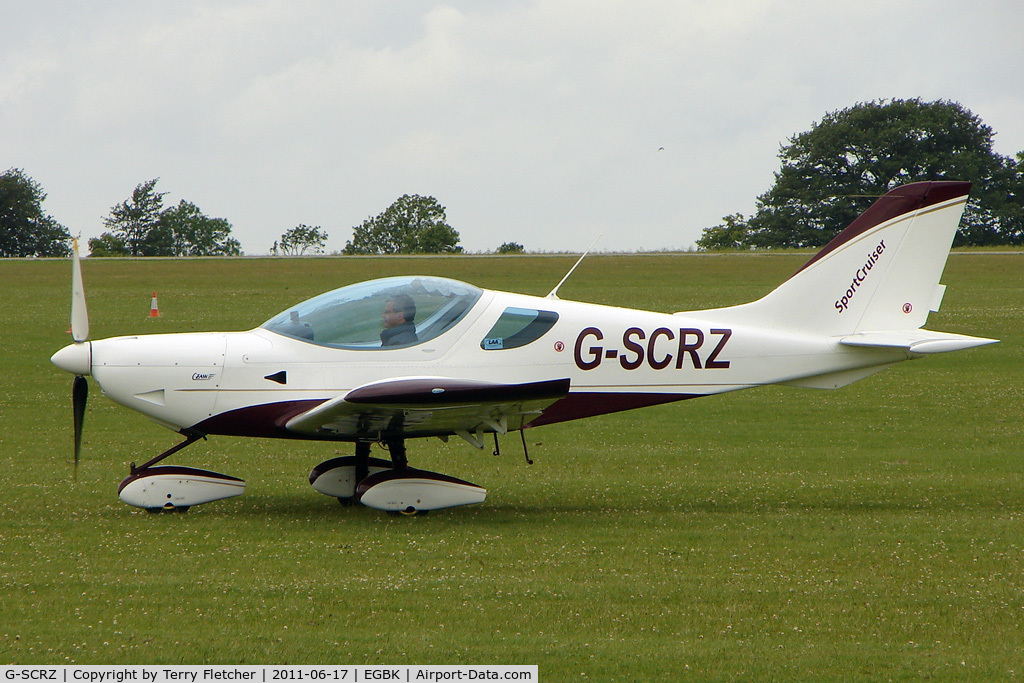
x=250 y=383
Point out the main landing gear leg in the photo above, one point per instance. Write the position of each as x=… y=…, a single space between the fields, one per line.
x=398 y=458
x=393 y=487
x=362 y=460
x=400 y=463
x=361 y=471
x=339 y=477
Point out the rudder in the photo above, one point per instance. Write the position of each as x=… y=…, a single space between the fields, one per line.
x=880 y=273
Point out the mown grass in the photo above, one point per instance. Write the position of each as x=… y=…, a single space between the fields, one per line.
x=868 y=533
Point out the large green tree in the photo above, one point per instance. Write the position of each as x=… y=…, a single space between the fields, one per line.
x=193 y=233
x=136 y=221
x=732 y=233
x=107 y=244
x=411 y=225
x=834 y=171
x=25 y=229
x=299 y=240
x=141 y=226
x=510 y=248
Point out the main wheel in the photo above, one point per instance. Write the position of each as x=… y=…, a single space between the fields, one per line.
x=408 y=512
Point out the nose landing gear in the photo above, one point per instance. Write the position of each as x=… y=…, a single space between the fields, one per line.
x=176 y=488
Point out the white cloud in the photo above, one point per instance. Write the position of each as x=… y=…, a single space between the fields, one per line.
x=538 y=122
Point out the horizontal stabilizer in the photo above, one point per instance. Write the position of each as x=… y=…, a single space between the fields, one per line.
x=916 y=341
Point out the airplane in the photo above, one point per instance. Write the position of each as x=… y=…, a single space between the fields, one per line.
x=400 y=358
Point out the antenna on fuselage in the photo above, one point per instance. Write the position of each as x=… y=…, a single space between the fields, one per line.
x=553 y=294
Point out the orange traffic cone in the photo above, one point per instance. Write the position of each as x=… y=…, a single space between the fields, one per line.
x=154 y=310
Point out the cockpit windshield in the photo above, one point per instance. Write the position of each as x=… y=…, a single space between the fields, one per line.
x=393 y=312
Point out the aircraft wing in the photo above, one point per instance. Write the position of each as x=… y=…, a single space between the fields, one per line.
x=429 y=406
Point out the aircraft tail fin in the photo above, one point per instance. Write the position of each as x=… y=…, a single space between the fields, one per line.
x=879 y=274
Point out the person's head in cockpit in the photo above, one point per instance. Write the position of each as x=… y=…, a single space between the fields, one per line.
x=398 y=316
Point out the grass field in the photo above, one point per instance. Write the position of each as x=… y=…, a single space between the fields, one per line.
x=874 y=532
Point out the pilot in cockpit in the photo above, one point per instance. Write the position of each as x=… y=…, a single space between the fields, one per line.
x=399 y=328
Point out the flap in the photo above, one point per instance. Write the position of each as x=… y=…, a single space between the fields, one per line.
x=428 y=406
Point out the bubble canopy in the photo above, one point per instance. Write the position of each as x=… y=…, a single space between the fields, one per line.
x=352 y=317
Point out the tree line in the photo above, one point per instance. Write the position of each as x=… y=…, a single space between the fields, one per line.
x=142 y=226
x=829 y=175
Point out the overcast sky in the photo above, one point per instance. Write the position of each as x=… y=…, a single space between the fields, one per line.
x=536 y=122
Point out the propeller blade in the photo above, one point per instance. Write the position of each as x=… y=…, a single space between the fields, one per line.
x=79 y=314
x=79 y=395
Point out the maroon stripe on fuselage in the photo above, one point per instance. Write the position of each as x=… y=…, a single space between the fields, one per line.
x=897 y=202
x=267 y=420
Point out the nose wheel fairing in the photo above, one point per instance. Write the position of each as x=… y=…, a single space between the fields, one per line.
x=175 y=487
